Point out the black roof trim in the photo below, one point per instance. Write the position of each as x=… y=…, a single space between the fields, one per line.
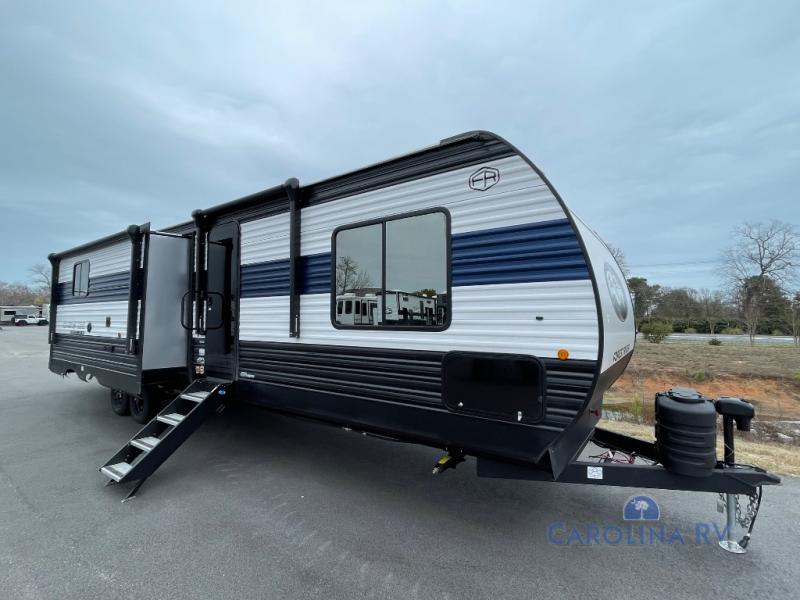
x=120 y=236
x=465 y=149
x=253 y=201
x=471 y=148
x=179 y=228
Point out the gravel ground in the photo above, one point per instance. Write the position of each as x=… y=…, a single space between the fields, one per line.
x=257 y=505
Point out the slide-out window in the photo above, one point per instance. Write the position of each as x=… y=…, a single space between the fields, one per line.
x=80 y=278
x=400 y=266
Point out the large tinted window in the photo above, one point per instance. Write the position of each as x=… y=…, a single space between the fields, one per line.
x=413 y=290
x=358 y=260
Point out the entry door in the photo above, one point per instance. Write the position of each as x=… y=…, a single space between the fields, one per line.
x=222 y=305
x=167 y=280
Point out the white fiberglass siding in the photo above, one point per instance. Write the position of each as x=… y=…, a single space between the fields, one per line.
x=265 y=239
x=115 y=258
x=74 y=318
x=619 y=329
x=494 y=318
x=520 y=197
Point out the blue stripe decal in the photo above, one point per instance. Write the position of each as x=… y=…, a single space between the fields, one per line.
x=316 y=270
x=548 y=251
x=105 y=288
x=271 y=278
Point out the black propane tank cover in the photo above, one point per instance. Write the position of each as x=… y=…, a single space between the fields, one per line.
x=741 y=411
x=686 y=432
x=684 y=394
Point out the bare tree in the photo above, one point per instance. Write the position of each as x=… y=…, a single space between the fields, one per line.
x=619 y=256
x=712 y=307
x=41 y=277
x=349 y=275
x=763 y=252
x=678 y=304
x=794 y=318
x=17 y=293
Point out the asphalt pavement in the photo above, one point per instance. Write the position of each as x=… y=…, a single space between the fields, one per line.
x=257 y=505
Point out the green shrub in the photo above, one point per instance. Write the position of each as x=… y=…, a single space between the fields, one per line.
x=777 y=332
x=636 y=407
x=655 y=331
x=697 y=375
x=733 y=331
x=690 y=330
x=715 y=342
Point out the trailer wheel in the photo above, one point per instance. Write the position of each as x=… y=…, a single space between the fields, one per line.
x=143 y=406
x=120 y=403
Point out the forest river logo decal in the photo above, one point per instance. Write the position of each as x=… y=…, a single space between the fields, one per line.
x=484 y=178
x=616 y=290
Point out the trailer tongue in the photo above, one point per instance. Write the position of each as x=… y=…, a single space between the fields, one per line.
x=650 y=465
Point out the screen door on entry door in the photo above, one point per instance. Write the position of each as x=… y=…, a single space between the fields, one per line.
x=222 y=285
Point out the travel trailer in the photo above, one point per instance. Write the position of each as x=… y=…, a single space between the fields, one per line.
x=9 y=314
x=446 y=297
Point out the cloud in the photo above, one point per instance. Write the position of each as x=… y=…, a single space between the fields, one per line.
x=662 y=125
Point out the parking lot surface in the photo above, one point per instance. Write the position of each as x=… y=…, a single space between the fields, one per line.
x=258 y=505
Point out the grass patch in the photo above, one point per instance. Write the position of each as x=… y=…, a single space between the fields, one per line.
x=767 y=376
x=740 y=360
x=697 y=375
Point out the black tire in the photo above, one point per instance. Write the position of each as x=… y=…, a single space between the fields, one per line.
x=120 y=403
x=21 y=323
x=143 y=407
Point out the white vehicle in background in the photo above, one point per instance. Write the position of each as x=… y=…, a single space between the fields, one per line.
x=402 y=308
x=20 y=320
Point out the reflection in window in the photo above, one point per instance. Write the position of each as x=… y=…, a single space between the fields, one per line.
x=412 y=292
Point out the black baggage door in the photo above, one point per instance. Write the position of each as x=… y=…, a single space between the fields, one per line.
x=222 y=304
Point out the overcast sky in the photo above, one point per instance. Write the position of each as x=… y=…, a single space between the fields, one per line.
x=662 y=124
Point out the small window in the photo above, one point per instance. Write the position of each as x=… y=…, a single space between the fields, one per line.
x=339 y=307
x=397 y=269
x=348 y=307
x=80 y=278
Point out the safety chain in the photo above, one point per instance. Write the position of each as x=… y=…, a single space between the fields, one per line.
x=745 y=519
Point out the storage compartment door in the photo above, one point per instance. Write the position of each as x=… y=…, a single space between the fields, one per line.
x=501 y=386
x=167 y=280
